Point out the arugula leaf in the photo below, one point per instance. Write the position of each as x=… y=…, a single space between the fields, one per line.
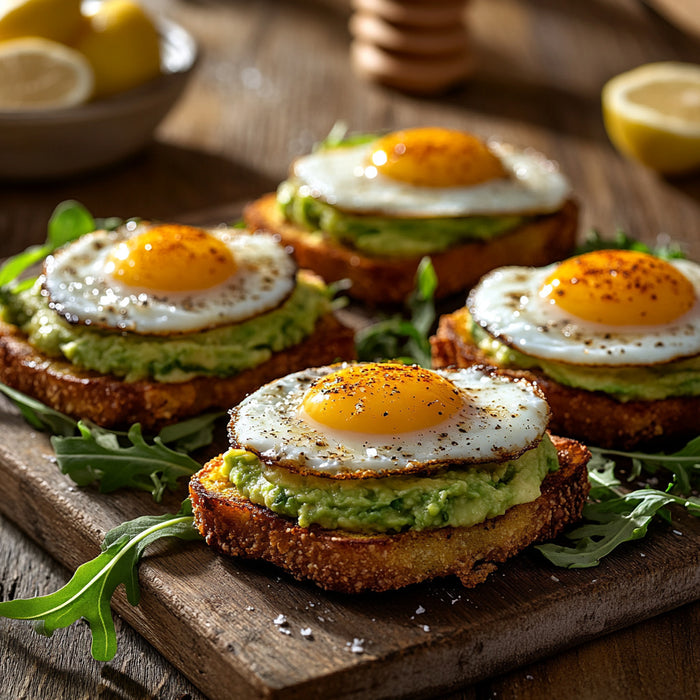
x=615 y=516
x=399 y=338
x=621 y=241
x=612 y=522
x=97 y=456
x=40 y=416
x=116 y=459
x=69 y=221
x=339 y=136
x=191 y=434
x=683 y=464
x=88 y=593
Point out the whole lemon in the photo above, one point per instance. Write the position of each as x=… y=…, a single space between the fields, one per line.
x=58 y=20
x=122 y=44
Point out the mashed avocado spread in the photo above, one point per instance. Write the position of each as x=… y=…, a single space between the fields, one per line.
x=388 y=236
x=645 y=383
x=455 y=497
x=222 y=351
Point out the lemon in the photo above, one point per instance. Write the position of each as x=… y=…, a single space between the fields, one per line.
x=652 y=114
x=42 y=74
x=59 y=20
x=122 y=44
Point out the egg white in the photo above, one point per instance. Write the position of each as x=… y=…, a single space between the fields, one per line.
x=506 y=303
x=500 y=419
x=340 y=176
x=79 y=289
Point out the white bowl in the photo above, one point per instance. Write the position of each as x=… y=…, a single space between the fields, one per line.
x=58 y=143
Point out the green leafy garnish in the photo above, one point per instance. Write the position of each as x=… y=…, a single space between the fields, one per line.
x=69 y=221
x=401 y=338
x=96 y=455
x=684 y=464
x=621 y=241
x=88 y=594
x=38 y=415
x=338 y=136
x=114 y=459
x=616 y=516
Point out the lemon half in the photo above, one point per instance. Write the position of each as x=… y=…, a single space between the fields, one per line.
x=42 y=74
x=652 y=114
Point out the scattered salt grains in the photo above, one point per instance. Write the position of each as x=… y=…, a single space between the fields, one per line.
x=420 y=610
x=554 y=578
x=357 y=646
x=249 y=608
x=306 y=633
x=529 y=677
x=641 y=554
x=280 y=620
x=426 y=628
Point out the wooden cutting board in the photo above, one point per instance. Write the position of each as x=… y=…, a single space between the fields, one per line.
x=215 y=618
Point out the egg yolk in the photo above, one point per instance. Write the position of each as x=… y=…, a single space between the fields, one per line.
x=619 y=288
x=381 y=398
x=171 y=258
x=435 y=157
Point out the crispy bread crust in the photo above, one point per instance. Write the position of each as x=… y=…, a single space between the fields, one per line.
x=590 y=416
x=111 y=402
x=353 y=563
x=378 y=280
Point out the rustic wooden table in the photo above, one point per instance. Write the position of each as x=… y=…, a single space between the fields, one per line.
x=273 y=78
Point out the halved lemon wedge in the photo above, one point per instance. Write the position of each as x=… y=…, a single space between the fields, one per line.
x=652 y=114
x=42 y=74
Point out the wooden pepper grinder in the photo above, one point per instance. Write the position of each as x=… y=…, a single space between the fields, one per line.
x=418 y=46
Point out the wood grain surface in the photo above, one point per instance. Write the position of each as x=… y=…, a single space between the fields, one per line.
x=273 y=78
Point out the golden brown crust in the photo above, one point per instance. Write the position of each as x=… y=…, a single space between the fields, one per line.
x=111 y=402
x=378 y=280
x=590 y=416
x=352 y=563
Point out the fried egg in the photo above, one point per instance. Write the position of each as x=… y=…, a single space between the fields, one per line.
x=432 y=172
x=369 y=419
x=609 y=307
x=167 y=278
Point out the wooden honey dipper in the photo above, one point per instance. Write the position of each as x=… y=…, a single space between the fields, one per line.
x=414 y=45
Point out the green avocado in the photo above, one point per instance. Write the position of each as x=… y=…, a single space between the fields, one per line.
x=388 y=236
x=220 y=352
x=638 y=383
x=452 y=497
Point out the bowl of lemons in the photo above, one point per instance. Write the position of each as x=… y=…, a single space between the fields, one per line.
x=84 y=84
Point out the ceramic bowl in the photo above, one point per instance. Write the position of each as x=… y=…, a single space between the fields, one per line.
x=60 y=143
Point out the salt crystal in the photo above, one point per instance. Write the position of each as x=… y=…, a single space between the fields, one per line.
x=357 y=646
x=280 y=620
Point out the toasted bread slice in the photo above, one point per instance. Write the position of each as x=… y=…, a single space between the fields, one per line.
x=111 y=402
x=590 y=416
x=386 y=280
x=351 y=563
